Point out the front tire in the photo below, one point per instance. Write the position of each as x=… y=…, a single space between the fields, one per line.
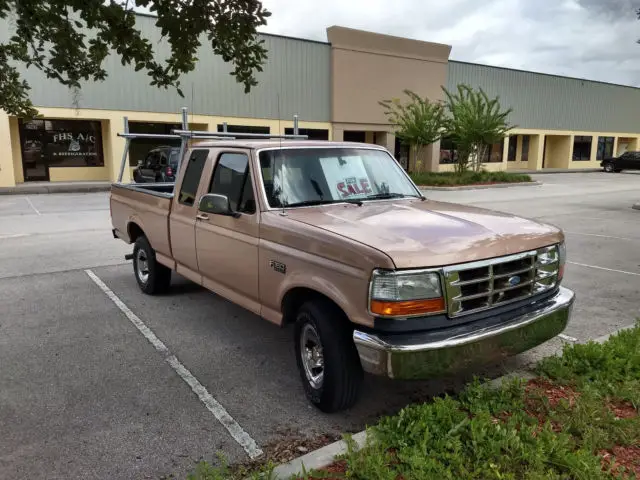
x=608 y=167
x=327 y=358
x=152 y=277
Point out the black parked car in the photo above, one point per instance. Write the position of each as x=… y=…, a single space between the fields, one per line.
x=626 y=161
x=159 y=165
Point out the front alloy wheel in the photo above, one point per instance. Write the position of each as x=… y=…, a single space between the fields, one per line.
x=312 y=357
x=608 y=167
x=326 y=355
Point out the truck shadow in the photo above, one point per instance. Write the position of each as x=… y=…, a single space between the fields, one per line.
x=268 y=351
x=249 y=366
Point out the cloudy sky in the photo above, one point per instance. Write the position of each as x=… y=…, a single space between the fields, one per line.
x=594 y=39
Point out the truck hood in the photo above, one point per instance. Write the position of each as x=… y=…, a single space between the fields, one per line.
x=415 y=233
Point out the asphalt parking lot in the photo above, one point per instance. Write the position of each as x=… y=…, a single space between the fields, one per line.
x=83 y=394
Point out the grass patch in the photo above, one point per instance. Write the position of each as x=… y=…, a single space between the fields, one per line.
x=566 y=424
x=577 y=420
x=451 y=179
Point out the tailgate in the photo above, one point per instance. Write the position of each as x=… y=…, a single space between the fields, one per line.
x=133 y=205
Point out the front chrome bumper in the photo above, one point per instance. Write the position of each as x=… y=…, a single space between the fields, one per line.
x=451 y=350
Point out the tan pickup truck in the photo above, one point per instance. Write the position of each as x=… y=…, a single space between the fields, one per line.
x=336 y=239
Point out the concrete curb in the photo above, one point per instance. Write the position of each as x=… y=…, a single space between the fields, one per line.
x=551 y=171
x=326 y=455
x=56 y=188
x=479 y=187
x=606 y=337
x=318 y=458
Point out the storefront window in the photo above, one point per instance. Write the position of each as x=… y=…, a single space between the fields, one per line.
x=605 y=147
x=525 y=148
x=448 y=152
x=59 y=143
x=401 y=153
x=581 y=148
x=513 y=148
x=311 y=133
x=245 y=129
x=140 y=147
x=493 y=154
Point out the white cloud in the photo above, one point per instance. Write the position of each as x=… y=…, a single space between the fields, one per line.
x=593 y=39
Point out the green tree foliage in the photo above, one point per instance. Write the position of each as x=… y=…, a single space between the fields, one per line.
x=417 y=123
x=70 y=39
x=474 y=122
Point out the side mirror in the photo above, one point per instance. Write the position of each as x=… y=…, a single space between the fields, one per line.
x=216 y=204
x=140 y=162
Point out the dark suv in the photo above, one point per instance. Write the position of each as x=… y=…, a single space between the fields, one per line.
x=626 y=161
x=159 y=165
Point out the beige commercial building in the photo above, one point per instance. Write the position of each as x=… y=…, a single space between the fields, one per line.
x=334 y=88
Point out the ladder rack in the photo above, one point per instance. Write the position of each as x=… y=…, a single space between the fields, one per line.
x=184 y=135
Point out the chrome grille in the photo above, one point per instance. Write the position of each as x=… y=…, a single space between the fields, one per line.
x=476 y=286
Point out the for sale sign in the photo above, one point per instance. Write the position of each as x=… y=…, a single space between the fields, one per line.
x=347 y=177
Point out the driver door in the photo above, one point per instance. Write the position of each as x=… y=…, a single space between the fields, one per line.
x=227 y=246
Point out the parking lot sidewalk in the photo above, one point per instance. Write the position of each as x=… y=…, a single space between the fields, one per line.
x=32 y=188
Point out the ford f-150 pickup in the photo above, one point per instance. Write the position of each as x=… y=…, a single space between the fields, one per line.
x=337 y=240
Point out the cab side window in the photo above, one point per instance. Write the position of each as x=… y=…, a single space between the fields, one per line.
x=231 y=178
x=189 y=187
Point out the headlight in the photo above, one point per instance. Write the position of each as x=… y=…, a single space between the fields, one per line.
x=403 y=294
x=562 y=256
x=550 y=266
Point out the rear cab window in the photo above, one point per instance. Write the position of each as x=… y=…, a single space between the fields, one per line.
x=192 y=175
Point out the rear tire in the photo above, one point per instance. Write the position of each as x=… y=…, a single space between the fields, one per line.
x=327 y=358
x=152 y=277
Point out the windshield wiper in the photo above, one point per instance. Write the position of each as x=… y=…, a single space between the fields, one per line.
x=384 y=196
x=308 y=203
x=311 y=203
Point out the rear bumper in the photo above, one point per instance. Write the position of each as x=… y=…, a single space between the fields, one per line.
x=447 y=351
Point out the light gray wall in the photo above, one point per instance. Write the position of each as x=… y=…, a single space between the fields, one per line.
x=555 y=103
x=297 y=72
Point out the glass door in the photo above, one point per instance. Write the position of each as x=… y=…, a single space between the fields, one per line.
x=34 y=160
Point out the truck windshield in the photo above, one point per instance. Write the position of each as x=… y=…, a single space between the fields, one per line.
x=315 y=176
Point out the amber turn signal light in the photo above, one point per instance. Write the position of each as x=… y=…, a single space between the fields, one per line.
x=407 y=307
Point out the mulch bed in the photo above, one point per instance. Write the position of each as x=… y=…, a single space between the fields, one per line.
x=617 y=457
x=622 y=409
x=553 y=392
x=541 y=391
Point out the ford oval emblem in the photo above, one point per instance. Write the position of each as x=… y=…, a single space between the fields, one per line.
x=513 y=281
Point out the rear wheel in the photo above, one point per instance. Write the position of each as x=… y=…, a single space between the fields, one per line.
x=327 y=357
x=152 y=277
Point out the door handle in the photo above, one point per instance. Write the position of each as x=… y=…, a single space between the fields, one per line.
x=202 y=216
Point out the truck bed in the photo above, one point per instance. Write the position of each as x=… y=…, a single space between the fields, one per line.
x=158 y=189
x=143 y=206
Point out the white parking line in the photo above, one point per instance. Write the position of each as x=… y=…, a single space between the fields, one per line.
x=13 y=235
x=239 y=435
x=603 y=236
x=603 y=268
x=32 y=205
